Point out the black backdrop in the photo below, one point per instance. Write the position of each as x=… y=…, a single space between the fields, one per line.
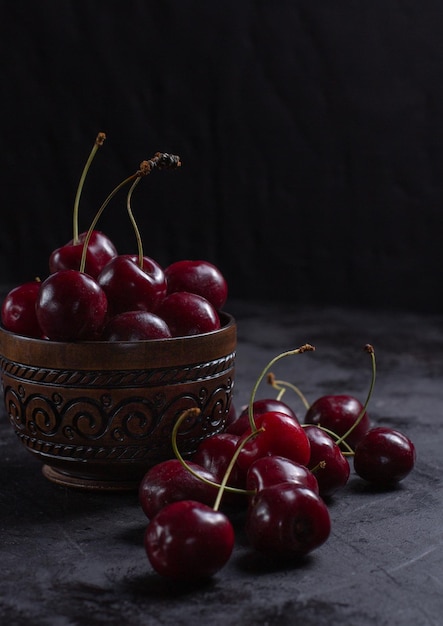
x=310 y=134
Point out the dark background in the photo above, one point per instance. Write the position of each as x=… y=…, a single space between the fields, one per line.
x=310 y=133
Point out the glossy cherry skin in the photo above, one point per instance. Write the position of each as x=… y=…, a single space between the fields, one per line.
x=188 y=541
x=71 y=306
x=188 y=314
x=279 y=435
x=129 y=287
x=287 y=521
x=136 y=326
x=215 y=453
x=169 y=481
x=68 y=257
x=18 y=310
x=273 y=470
x=264 y=405
x=336 y=472
x=384 y=456
x=200 y=277
x=338 y=413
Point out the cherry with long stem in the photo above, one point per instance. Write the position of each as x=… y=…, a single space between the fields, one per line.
x=305 y=348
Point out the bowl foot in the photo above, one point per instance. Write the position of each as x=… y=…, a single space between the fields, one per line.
x=87 y=484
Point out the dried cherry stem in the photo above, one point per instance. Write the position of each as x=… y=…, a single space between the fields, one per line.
x=160 y=161
x=191 y=413
x=370 y=350
x=99 y=141
x=282 y=385
x=305 y=348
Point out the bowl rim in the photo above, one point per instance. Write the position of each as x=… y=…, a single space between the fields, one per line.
x=146 y=353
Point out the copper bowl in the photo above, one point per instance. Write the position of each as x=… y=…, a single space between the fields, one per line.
x=100 y=414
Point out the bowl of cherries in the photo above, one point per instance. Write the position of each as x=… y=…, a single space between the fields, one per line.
x=100 y=357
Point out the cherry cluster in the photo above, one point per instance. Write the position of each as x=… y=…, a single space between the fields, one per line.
x=94 y=293
x=278 y=470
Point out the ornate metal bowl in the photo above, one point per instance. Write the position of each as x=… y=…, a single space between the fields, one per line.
x=99 y=414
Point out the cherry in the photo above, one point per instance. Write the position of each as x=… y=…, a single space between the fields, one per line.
x=171 y=481
x=71 y=306
x=100 y=248
x=188 y=541
x=330 y=467
x=188 y=314
x=215 y=453
x=18 y=310
x=273 y=470
x=287 y=521
x=130 y=286
x=339 y=413
x=99 y=252
x=200 y=277
x=276 y=434
x=135 y=326
x=264 y=405
x=384 y=456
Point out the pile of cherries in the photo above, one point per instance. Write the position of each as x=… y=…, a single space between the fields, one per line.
x=94 y=293
x=279 y=471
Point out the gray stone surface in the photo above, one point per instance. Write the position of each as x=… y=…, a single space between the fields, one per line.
x=71 y=559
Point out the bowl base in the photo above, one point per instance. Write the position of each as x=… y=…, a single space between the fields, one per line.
x=87 y=484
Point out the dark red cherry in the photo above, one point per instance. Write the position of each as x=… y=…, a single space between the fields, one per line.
x=136 y=326
x=68 y=257
x=264 y=405
x=71 y=306
x=272 y=470
x=277 y=435
x=188 y=314
x=18 y=310
x=169 y=481
x=215 y=453
x=129 y=287
x=384 y=456
x=338 y=413
x=200 y=277
x=287 y=521
x=324 y=450
x=189 y=541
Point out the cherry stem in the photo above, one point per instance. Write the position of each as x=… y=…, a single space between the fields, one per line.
x=160 y=161
x=99 y=141
x=134 y=223
x=370 y=350
x=191 y=413
x=282 y=385
x=305 y=348
x=349 y=451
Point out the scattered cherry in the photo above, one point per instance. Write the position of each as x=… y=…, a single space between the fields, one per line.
x=339 y=413
x=273 y=470
x=330 y=467
x=171 y=481
x=189 y=541
x=384 y=456
x=264 y=405
x=287 y=521
x=276 y=434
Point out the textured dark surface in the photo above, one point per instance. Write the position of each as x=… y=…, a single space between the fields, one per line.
x=70 y=558
x=310 y=134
